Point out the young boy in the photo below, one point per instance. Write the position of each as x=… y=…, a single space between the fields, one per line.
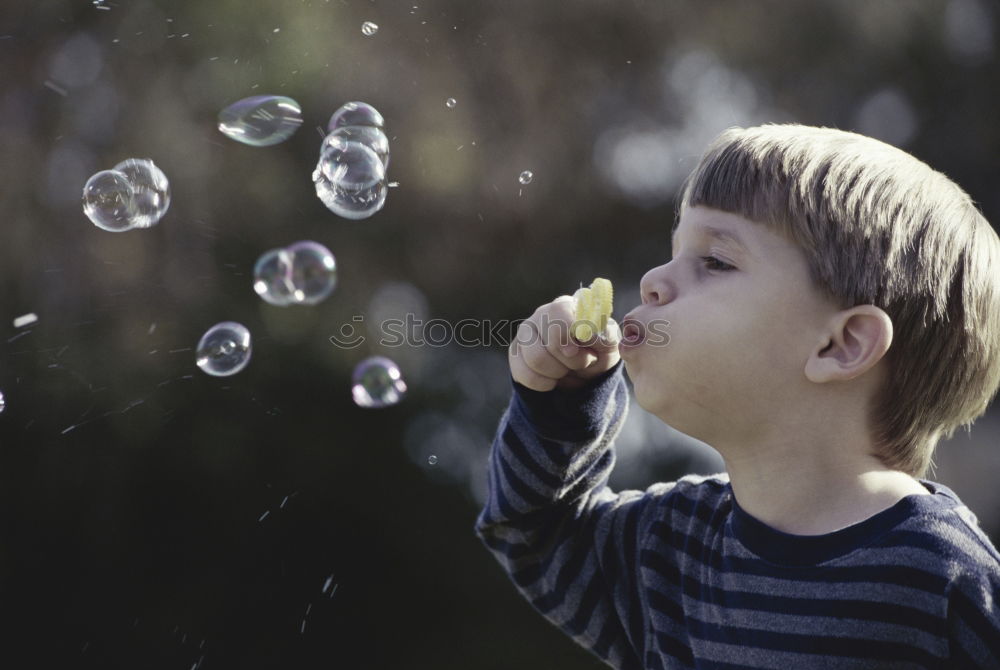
x=834 y=310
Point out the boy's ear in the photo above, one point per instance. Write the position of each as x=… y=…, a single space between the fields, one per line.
x=857 y=339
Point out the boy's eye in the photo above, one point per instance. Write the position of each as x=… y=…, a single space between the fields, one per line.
x=713 y=263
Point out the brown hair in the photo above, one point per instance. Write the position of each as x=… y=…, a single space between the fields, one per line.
x=879 y=227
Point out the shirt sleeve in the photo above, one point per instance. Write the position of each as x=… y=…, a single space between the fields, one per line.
x=974 y=621
x=566 y=540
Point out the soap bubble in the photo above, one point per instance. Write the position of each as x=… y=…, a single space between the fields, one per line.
x=526 y=177
x=355 y=114
x=377 y=382
x=369 y=28
x=150 y=191
x=450 y=103
x=272 y=277
x=3 y=403
x=432 y=460
x=303 y=273
x=261 y=120
x=370 y=136
x=224 y=349
x=107 y=201
x=350 y=179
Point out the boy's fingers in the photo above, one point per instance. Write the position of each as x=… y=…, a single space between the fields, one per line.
x=609 y=339
x=525 y=376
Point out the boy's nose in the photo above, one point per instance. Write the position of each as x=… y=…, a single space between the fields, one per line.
x=654 y=287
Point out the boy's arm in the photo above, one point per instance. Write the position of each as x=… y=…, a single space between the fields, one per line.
x=567 y=541
x=974 y=619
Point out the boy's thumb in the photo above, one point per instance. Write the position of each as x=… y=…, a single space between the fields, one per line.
x=609 y=339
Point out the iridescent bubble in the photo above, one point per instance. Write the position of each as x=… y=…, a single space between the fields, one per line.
x=355 y=114
x=272 y=277
x=303 y=273
x=526 y=177
x=150 y=189
x=107 y=201
x=377 y=382
x=261 y=120
x=314 y=272
x=450 y=103
x=224 y=349
x=350 y=179
x=369 y=28
x=371 y=136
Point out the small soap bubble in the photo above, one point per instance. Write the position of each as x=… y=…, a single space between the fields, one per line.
x=432 y=460
x=150 y=191
x=224 y=349
x=369 y=28
x=526 y=177
x=261 y=120
x=304 y=273
x=450 y=103
x=350 y=179
x=355 y=114
x=371 y=136
x=107 y=201
x=3 y=403
x=377 y=382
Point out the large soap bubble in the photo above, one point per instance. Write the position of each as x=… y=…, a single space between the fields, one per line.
x=107 y=201
x=304 y=273
x=224 y=349
x=150 y=191
x=350 y=179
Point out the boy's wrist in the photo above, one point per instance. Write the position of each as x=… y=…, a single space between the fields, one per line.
x=568 y=414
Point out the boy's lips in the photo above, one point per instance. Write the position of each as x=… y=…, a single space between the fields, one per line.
x=633 y=332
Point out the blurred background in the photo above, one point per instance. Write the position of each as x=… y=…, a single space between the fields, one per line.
x=154 y=516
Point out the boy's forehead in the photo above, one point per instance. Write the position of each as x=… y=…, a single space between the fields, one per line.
x=715 y=224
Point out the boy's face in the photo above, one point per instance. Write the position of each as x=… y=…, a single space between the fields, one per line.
x=744 y=318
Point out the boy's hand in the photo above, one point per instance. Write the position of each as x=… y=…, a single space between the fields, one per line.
x=544 y=356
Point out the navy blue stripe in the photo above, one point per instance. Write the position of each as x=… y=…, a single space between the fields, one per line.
x=588 y=604
x=657 y=562
x=609 y=633
x=519 y=486
x=630 y=568
x=669 y=607
x=900 y=575
x=673 y=647
x=524 y=457
x=568 y=574
x=818 y=645
x=966 y=609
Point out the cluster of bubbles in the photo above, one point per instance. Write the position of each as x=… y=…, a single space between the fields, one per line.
x=133 y=194
x=349 y=179
x=261 y=120
x=350 y=175
x=377 y=382
x=304 y=273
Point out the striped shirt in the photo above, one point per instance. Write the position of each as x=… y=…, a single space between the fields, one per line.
x=679 y=576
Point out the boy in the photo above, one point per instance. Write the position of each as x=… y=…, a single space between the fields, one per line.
x=834 y=310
